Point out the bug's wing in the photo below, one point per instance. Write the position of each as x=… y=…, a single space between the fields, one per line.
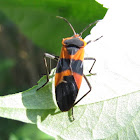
x=68 y=79
x=66 y=93
x=76 y=65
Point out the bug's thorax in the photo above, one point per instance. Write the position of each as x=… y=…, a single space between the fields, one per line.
x=73 y=44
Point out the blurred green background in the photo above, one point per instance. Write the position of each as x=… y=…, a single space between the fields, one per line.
x=27 y=30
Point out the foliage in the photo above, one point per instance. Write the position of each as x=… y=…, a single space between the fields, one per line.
x=100 y=115
x=108 y=119
x=29 y=132
x=37 y=20
x=25 y=27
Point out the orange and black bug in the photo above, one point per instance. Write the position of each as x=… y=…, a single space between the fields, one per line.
x=69 y=70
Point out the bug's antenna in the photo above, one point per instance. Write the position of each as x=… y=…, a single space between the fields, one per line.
x=80 y=34
x=68 y=23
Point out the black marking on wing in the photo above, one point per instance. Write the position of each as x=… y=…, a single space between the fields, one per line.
x=70 y=64
x=66 y=93
x=77 y=66
x=63 y=64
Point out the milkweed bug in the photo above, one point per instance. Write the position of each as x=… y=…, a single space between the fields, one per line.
x=69 y=70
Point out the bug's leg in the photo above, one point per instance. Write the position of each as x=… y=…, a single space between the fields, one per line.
x=87 y=92
x=47 y=55
x=72 y=114
x=47 y=70
x=91 y=58
x=94 y=40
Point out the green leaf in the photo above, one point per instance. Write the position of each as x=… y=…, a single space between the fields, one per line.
x=110 y=111
x=113 y=118
x=37 y=19
x=29 y=132
x=26 y=106
x=116 y=118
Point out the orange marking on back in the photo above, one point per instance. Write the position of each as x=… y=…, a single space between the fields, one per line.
x=78 y=56
x=78 y=79
x=59 y=76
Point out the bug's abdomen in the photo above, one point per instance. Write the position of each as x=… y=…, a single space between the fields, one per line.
x=66 y=93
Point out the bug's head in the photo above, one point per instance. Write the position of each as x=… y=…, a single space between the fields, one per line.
x=76 y=42
x=75 y=34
